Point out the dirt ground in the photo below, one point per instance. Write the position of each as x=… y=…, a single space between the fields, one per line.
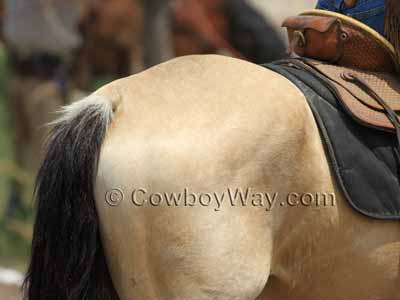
x=9 y=292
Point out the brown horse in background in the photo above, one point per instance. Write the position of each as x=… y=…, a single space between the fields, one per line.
x=111 y=32
x=201 y=27
x=230 y=27
x=114 y=34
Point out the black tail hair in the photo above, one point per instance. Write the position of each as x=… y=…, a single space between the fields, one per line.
x=68 y=261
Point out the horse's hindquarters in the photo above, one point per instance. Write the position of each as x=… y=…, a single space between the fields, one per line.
x=187 y=137
x=211 y=126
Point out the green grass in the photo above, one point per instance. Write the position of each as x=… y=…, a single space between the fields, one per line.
x=5 y=137
x=15 y=233
x=14 y=247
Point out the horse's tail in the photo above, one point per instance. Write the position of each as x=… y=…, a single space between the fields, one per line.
x=67 y=260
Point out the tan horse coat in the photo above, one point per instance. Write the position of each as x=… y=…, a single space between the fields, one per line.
x=208 y=123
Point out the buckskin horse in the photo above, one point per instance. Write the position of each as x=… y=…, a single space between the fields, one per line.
x=203 y=123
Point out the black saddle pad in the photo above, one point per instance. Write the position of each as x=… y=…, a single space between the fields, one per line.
x=363 y=159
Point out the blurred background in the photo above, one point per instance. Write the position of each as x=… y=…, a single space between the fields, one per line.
x=54 y=52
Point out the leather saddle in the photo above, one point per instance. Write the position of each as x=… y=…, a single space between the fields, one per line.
x=359 y=65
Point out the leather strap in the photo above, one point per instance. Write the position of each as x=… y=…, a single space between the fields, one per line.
x=389 y=112
x=374 y=106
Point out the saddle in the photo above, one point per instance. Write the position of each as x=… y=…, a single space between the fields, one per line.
x=359 y=65
x=365 y=161
x=348 y=74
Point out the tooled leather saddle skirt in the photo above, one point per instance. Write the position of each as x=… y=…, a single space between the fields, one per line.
x=349 y=75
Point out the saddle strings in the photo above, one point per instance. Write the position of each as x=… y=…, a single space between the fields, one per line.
x=390 y=113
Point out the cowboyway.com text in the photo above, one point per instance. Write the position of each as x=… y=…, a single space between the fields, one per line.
x=236 y=197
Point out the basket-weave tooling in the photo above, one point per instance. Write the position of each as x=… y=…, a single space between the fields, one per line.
x=392 y=24
x=356 y=61
x=360 y=104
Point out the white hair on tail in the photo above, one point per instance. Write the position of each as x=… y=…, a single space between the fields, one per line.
x=95 y=103
x=65 y=182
